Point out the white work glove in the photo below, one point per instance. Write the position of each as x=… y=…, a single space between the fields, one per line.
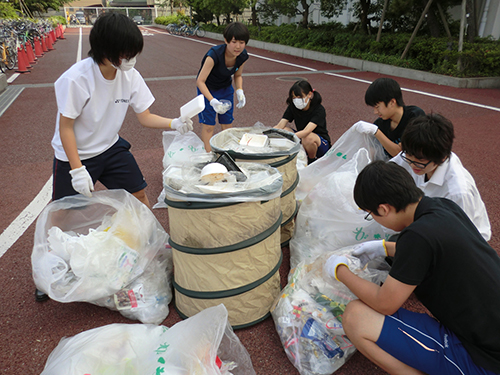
x=218 y=106
x=81 y=181
x=370 y=250
x=332 y=263
x=182 y=125
x=365 y=128
x=241 y=99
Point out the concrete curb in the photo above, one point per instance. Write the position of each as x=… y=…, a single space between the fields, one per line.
x=3 y=82
x=369 y=66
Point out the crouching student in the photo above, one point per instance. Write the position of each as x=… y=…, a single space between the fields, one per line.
x=441 y=256
x=426 y=154
x=305 y=109
x=386 y=98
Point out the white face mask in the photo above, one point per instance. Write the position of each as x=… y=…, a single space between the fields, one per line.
x=300 y=103
x=126 y=65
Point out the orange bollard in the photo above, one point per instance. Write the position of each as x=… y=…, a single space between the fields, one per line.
x=48 y=40
x=38 y=48
x=62 y=31
x=21 y=64
x=44 y=44
x=30 y=54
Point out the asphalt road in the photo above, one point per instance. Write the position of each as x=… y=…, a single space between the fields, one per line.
x=29 y=331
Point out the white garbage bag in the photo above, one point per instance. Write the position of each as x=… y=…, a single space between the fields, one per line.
x=308 y=314
x=329 y=218
x=201 y=345
x=340 y=153
x=90 y=248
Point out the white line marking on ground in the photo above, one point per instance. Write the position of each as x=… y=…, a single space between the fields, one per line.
x=348 y=77
x=13 y=77
x=17 y=228
x=424 y=93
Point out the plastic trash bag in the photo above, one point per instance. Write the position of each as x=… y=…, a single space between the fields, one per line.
x=341 y=152
x=90 y=248
x=178 y=149
x=308 y=314
x=147 y=298
x=329 y=218
x=201 y=345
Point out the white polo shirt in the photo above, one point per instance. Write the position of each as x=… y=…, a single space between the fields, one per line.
x=98 y=106
x=451 y=180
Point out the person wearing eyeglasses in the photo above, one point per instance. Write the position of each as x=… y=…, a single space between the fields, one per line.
x=441 y=258
x=437 y=171
x=385 y=96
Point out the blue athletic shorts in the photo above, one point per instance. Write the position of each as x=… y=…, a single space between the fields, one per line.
x=323 y=148
x=421 y=342
x=115 y=168
x=207 y=116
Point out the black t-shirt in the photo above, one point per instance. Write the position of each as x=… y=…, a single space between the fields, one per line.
x=220 y=76
x=395 y=135
x=315 y=113
x=457 y=275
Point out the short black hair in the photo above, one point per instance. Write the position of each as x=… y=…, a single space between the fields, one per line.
x=238 y=31
x=384 y=90
x=303 y=87
x=428 y=137
x=114 y=36
x=383 y=182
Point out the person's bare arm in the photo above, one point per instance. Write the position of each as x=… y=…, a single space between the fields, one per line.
x=68 y=140
x=385 y=299
x=392 y=148
x=207 y=67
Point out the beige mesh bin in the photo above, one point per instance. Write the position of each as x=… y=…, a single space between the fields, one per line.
x=282 y=158
x=227 y=251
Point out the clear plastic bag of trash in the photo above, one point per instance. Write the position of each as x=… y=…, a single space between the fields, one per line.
x=147 y=298
x=277 y=142
x=201 y=345
x=329 y=218
x=185 y=183
x=341 y=152
x=90 y=248
x=308 y=314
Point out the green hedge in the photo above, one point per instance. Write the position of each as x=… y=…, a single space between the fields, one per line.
x=436 y=55
x=167 y=20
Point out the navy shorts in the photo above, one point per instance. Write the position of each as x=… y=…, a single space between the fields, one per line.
x=115 y=168
x=207 y=116
x=323 y=148
x=421 y=342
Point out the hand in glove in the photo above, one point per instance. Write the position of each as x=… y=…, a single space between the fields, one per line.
x=218 y=106
x=241 y=99
x=370 y=250
x=182 y=125
x=81 y=181
x=332 y=263
x=366 y=127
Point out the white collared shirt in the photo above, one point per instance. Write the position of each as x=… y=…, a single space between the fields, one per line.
x=451 y=180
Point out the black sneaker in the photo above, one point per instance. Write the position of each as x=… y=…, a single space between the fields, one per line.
x=40 y=296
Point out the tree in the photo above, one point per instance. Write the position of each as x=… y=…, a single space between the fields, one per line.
x=201 y=12
x=225 y=8
x=36 y=6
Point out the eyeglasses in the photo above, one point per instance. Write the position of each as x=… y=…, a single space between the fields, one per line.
x=369 y=216
x=415 y=163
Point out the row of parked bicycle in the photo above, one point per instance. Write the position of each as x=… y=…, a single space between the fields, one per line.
x=186 y=30
x=17 y=34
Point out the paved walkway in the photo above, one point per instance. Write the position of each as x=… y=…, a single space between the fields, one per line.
x=30 y=331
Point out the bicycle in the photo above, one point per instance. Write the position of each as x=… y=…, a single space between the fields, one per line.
x=8 y=57
x=197 y=30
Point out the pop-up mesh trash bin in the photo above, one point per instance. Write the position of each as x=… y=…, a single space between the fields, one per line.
x=280 y=151
x=225 y=239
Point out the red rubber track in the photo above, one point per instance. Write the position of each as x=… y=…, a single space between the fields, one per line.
x=29 y=331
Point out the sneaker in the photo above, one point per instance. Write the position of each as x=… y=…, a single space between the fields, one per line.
x=40 y=296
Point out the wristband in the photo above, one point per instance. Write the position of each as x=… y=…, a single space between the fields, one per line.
x=340 y=264
x=170 y=124
x=385 y=248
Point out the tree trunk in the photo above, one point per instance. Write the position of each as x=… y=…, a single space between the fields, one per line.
x=305 y=13
x=363 y=16
x=471 y=21
x=254 y=15
x=432 y=21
